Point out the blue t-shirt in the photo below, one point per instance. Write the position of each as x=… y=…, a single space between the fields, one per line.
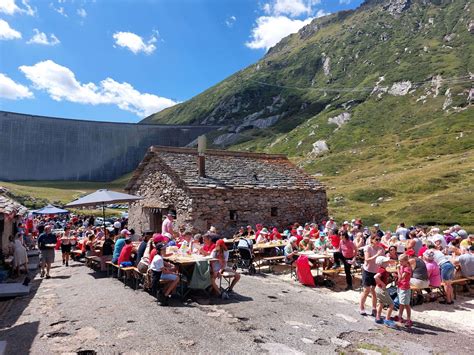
x=46 y=238
x=118 y=248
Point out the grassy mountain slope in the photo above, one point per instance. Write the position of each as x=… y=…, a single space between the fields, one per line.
x=377 y=102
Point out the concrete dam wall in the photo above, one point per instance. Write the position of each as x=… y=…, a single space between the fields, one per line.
x=45 y=148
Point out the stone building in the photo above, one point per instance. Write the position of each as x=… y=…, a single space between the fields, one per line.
x=225 y=189
x=10 y=211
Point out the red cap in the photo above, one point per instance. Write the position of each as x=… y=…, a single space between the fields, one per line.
x=410 y=252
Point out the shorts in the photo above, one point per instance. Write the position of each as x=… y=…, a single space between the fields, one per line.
x=419 y=283
x=447 y=271
x=47 y=256
x=383 y=297
x=368 y=278
x=404 y=297
x=169 y=277
x=66 y=248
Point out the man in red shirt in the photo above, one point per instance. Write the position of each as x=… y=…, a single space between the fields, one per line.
x=126 y=252
x=208 y=246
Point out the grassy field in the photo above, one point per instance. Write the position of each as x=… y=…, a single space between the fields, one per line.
x=36 y=194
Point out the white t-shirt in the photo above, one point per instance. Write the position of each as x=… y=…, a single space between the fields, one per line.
x=216 y=265
x=401 y=233
x=157 y=263
x=439 y=257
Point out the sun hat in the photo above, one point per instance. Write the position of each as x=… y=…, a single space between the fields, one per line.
x=160 y=238
x=376 y=225
x=264 y=231
x=213 y=229
x=381 y=259
x=429 y=255
x=345 y=222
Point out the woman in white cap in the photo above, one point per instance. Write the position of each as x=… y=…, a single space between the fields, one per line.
x=291 y=250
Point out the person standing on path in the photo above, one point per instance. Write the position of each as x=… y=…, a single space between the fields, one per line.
x=46 y=244
x=167 y=226
x=20 y=257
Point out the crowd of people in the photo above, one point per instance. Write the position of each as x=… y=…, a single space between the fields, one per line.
x=414 y=256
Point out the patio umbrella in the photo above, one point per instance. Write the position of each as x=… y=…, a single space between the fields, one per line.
x=50 y=209
x=103 y=197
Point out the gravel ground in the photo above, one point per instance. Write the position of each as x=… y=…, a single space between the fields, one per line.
x=78 y=309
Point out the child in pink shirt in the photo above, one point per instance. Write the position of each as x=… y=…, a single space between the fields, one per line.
x=404 y=291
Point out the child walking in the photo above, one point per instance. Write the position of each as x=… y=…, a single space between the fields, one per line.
x=383 y=298
x=404 y=292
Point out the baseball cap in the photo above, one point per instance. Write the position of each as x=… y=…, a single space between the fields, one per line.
x=381 y=259
x=159 y=238
x=125 y=231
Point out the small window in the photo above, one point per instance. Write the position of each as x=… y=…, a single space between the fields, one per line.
x=274 y=211
x=233 y=215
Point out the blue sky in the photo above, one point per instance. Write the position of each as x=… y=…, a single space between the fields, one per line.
x=121 y=60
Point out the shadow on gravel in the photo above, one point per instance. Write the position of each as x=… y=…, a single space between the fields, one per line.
x=424 y=329
x=61 y=277
x=20 y=338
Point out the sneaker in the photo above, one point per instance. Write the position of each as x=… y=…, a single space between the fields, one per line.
x=63 y=261
x=408 y=324
x=379 y=321
x=390 y=324
x=67 y=264
x=363 y=312
x=374 y=313
x=48 y=277
x=42 y=274
x=348 y=288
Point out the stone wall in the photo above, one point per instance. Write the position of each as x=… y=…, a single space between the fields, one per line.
x=44 y=148
x=214 y=206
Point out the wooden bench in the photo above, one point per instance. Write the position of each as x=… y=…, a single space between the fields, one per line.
x=76 y=254
x=332 y=272
x=93 y=261
x=271 y=261
x=110 y=265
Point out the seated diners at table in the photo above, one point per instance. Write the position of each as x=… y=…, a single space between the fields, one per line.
x=306 y=244
x=291 y=250
x=275 y=235
x=162 y=270
x=106 y=252
x=240 y=233
x=369 y=269
x=249 y=231
x=466 y=262
x=119 y=244
x=207 y=246
x=386 y=239
x=392 y=253
x=419 y=278
x=433 y=270
x=454 y=247
x=468 y=242
x=125 y=258
x=334 y=239
x=219 y=266
x=322 y=243
x=90 y=245
x=143 y=245
x=263 y=236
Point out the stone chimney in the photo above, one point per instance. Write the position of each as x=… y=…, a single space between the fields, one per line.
x=201 y=156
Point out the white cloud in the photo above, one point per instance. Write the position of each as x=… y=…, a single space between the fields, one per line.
x=135 y=43
x=42 y=38
x=322 y=13
x=229 y=22
x=13 y=91
x=82 y=12
x=346 y=2
x=6 y=32
x=9 y=7
x=61 y=84
x=291 y=8
x=269 y=30
x=60 y=10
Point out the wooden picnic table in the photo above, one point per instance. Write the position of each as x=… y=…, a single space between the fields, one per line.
x=268 y=245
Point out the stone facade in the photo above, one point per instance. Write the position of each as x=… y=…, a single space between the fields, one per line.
x=10 y=211
x=239 y=189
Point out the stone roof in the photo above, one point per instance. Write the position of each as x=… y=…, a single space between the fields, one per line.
x=228 y=169
x=7 y=206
